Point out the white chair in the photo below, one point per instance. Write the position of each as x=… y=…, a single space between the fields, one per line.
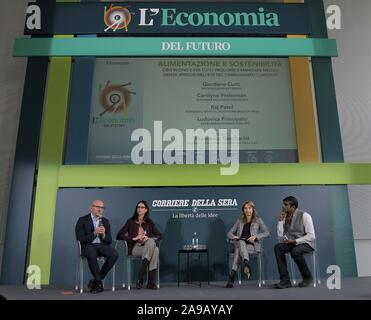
x=129 y=259
x=259 y=256
x=80 y=270
x=315 y=269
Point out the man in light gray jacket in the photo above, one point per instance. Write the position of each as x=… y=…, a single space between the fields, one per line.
x=295 y=231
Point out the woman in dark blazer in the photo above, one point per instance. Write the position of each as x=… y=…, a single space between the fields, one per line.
x=141 y=234
x=247 y=233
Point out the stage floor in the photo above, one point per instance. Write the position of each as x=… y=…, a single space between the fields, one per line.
x=351 y=288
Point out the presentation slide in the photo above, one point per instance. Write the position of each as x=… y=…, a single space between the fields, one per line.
x=252 y=95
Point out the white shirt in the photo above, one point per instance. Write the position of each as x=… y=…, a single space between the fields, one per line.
x=96 y=225
x=308 y=228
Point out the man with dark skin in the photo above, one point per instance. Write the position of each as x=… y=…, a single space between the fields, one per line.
x=296 y=233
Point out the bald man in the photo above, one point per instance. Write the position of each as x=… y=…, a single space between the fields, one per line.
x=94 y=233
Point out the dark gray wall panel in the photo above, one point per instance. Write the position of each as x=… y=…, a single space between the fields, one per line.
x=120 y=203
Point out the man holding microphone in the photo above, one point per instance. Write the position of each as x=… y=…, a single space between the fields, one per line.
x=94 y=233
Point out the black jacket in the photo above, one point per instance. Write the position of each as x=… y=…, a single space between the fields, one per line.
x=130 y=231
x=85 y=230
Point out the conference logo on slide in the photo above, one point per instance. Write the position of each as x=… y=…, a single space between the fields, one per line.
x=115 y=98
x=116 y=18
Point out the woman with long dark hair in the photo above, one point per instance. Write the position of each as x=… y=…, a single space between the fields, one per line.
x=247 y=234
x=141 y=234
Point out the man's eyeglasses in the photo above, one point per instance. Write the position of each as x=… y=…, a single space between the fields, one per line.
x=141 y=207
x=99 y=207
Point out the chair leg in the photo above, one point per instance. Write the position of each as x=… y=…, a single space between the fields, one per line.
x=317 y=269
x=123 y=276
x=316 y=275
x=260 y=269
x=158 y=274
x=314 y=270
x=292 y=267
x=113 y=278
x=239 y=274
x=81 y=276
x=77 y=275
x=263 y=270
x=128 y=264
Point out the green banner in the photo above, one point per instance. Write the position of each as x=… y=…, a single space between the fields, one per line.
x=174 y=47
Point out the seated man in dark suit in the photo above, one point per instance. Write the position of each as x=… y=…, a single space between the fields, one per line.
x=94 y=233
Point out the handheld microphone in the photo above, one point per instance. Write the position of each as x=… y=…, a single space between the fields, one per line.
x=100 y=224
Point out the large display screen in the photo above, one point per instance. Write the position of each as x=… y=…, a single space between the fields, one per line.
x=211 y=95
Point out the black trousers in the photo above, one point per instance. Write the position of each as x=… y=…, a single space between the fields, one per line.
x=297 y=252
x=92 y=252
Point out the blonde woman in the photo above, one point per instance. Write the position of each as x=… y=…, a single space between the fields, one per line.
x=247 y=234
